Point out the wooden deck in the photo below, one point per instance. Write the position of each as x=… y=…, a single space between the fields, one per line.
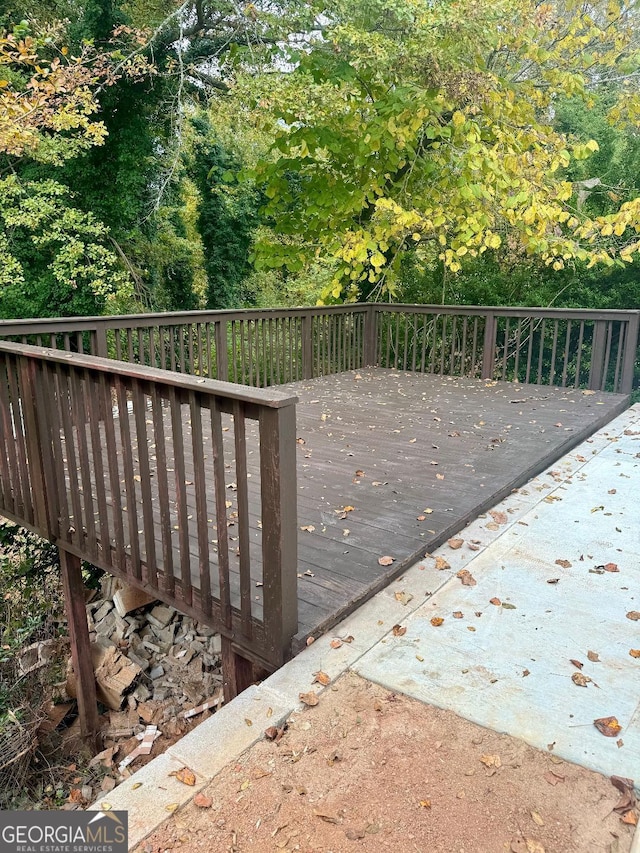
x=375 y=449
x=392 y=445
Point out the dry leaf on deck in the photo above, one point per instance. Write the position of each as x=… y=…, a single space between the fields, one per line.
x=458 y=614
x=403 y=597
x=309 y=698
x=202 y=801
x=439 y=476
x=491 y=760
x=436 y=621
x=399 y=630
x=495 y=601
x=608 y=726
x=308 y=528
x=335 y=643
x=611 y=567
x=580 y=679
x=442 y=564
x=455 y=543
x=578 y=664
x=634 y=615
x=321 y=678
x=385 y=561
x=594 y=657
x=630 y=818
x=565 y=564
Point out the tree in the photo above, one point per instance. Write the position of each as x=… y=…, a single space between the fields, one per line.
x=54 y=257
x=427 y=128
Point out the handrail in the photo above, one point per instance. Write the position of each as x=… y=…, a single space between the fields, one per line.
x=145 y=472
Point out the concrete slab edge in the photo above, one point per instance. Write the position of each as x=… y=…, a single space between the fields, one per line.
x=152 y=794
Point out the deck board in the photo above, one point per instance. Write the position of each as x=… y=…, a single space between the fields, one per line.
x=454 y=446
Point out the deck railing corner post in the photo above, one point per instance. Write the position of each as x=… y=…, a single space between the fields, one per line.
x=222 y=354
x=279 y=529
x=100 y=341
x=370 y=348
x=630 y=354
x=489 y=346
x=307 y=346
x=597 y=379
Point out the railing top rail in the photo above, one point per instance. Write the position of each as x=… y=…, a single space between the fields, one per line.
x=51 y=325
x=558 y=313
x=228 y=390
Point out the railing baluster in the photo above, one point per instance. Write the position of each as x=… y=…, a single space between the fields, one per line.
x=541 y=352
x=242 y=496
x=106 y=404
x=168 y=578
x=129 y=482
x=81 y=413
x=221 y=514
x=175 y=404
x=92 y=399
x=199 y=477
x=139 y=399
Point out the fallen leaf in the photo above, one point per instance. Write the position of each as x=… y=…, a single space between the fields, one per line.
x=498 y=517
x=634 y=615
x=553 y=778
x=466 y=577
x=436 y=621
x=594 y=657
x=553 y=580
x=491 y=760
x=534 y=846
x=427 y=511
x=635 y=653
x=186 y=776
x=355 y=834
x=442 y=564
x=271 y=733
x=326 y=816
x=335 y=643
x=136 y=786
x=507 y=606
x=385 y=561
x=525 y=672
x=608 y=726
x=537 y=819
x=439 y=476
x=403 y=597
x=348 y=639
x=359 y=473
x=171 y=807
x=310 y=640
x=491 y=525
x=630 y=818
x=565 y=564
x=348 y=508
x=322 y=678
x=619 y=743
x=612 y=491
x=576 y=663
x=580 y=679
x=458 y=614
x=420 y=658
x=308 y=528
x=455 y=543
x=309 y=698
x=202 y=801
x=611 y=567
x=470 y=628
x=426 y=804
x=495 y=601
x=399 y=630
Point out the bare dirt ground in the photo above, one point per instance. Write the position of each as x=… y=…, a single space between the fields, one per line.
x=372 y=771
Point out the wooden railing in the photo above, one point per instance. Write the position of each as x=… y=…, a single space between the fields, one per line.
x=544 y=346
x=146 y=474
x=561 y=347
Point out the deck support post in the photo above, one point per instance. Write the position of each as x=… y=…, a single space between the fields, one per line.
x=74 y=602
x=307 y=346
x=222 y=355
x=597 y=379
x=237 y=671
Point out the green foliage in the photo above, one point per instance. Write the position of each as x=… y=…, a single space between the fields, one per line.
x=427 y=128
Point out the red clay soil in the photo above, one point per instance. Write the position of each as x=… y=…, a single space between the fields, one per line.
x=366 y=770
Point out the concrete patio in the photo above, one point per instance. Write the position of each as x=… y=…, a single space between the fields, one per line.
x=545 y=557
